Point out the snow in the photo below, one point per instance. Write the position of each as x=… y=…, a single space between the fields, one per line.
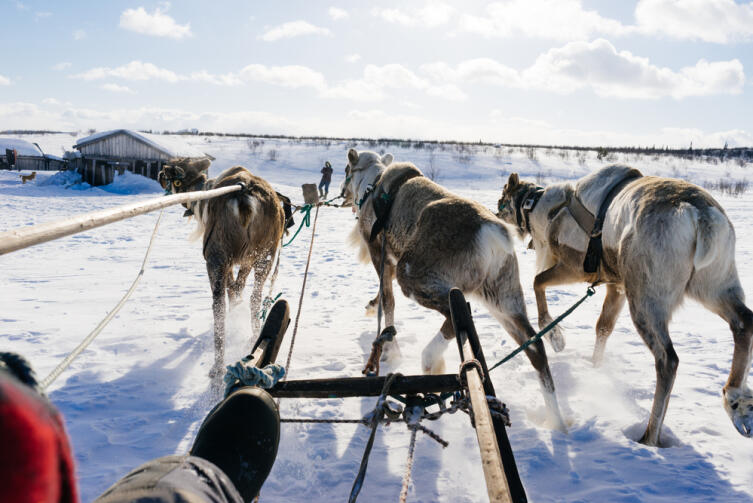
x=141 y=389
x=21 y=146
x=174 y=146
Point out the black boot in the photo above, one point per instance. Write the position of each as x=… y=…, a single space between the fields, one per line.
x=240 y=435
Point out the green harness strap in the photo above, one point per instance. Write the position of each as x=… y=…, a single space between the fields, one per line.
x=306 y=209
x=589 y=291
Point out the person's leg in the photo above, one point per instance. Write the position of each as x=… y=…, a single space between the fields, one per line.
x=173 y=479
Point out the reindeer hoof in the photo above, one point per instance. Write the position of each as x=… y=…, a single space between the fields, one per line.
x=739 y=407
x=391 y=351
x=371 y=309
x=556 y=339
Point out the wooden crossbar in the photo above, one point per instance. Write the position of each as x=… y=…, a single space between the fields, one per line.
x=365 y=386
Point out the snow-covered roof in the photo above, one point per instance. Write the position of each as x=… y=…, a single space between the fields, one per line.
x=22 y=147
x=170 y=145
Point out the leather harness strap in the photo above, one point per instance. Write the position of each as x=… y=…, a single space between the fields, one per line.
x=383 y=201
x=595 y=248
x=525 y=205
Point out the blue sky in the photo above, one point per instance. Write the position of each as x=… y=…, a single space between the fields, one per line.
x=647 y=72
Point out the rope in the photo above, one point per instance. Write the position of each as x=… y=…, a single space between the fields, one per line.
x=240 y=374
x=300 y=300
x=266 y=304
x=377 y=416
x=306 y=209
x=408 y=466
x=102 y=324
x=589 y=291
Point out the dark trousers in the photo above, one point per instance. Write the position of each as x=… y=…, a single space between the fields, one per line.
x=325 y=184
x=173 y=479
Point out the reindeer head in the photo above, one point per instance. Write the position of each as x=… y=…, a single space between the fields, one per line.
x=508 y=206
x=362 y=169
x=183 y=175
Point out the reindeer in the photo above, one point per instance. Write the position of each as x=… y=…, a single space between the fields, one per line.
x=243 y=228
x=661 y=240
x=435 y=241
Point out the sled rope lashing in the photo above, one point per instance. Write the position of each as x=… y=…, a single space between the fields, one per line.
x=47 y=381
x=589 y=292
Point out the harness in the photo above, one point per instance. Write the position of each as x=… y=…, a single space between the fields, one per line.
x=383 y=200
x=595 y=249
x=524 y=205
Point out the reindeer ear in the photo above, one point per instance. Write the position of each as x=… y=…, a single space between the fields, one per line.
x=513 y=181
x=352 y=157
x=179 y=171
x=387 y=159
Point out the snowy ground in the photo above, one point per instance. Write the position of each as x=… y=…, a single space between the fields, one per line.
x=141 y=389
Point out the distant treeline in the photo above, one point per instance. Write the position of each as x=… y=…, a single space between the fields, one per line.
x=745 y=153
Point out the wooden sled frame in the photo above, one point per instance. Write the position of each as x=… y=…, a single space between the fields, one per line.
x=500 y=471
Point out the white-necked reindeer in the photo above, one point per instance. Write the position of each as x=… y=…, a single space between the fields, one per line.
x=435 y=241
x=662 y=239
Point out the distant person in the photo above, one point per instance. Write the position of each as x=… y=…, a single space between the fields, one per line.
x=326 y=179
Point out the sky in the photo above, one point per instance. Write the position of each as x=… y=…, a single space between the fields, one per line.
x=557 y=72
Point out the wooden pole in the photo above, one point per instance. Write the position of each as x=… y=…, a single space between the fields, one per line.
x=365 y=386
x=24 y=237
x=463 y=322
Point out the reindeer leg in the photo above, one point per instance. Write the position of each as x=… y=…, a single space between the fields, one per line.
x=235 y=288
x=613 y=304
x=218 y=272
x=555 y=275
x=650 y=318
x=738 y=398
x=262 y=269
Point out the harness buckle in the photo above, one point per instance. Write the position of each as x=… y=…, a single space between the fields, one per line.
x=528 y=204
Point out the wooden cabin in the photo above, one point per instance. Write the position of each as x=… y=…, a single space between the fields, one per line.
x=102 y=154
x=29 y=156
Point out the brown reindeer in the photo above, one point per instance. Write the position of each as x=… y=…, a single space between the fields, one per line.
x=662 y=239
x=243 y=228
x=435 y=241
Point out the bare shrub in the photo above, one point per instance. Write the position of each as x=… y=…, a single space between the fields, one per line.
x=734 y=188
x=582 y=156
x=272 y=155
x=433 y=172
x=254 y=144
x=531 y=153
x=463 y=154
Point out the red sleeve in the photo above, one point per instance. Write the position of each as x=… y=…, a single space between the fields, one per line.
x=36 y=462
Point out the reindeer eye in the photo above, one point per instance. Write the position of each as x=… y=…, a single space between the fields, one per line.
x=177 y=183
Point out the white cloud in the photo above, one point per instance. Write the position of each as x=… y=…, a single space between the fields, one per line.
x=293 y=29
x=562 y=20
x=352 y=58
x=63 y=65
x=600 y=66
x=79 y=35
x=291 y=76
x=115 y=88
x=228 y=79
x=135 y=70
x=42 y=15
x=431 y=15
x=392 y=76
x=719 y=21
x=337 y=14
x=4 y=81
x=157 y=24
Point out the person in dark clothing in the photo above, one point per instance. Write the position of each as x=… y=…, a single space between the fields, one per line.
x=326 y=180
x=229 y=461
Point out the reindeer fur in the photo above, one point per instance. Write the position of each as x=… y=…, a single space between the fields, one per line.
x=242 y=228
x=437 y=241
x=663 y=239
